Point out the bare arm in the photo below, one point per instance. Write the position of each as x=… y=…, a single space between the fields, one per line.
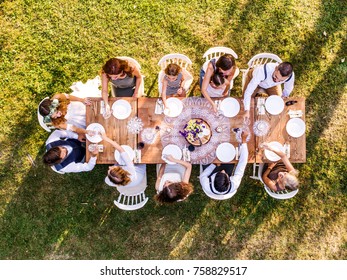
x=205 y=82
x=160 y=175
x=113 y=143
x=226 y=90
x=104 y=87
x=137 y=74
x=70 y=97
x=163 y=92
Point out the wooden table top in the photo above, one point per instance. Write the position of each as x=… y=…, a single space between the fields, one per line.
x=115 y=129
x=151 y=153
x=278 y=132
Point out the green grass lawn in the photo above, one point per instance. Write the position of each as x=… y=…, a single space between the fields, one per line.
x=47 y=45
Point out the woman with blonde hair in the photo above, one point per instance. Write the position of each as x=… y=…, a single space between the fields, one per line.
x=281 y=175
x=129 y=175
x=172 y=183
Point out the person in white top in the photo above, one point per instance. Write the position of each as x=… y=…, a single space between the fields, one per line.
x=129 y=175
x=218 y=86
x=172 y=183
x=65 y=153
x=215 y=180
x=269 y=77
x=65 y=111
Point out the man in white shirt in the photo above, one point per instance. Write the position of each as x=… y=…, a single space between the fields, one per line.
x=215 y=180
x=269 y=77
x=65 y=153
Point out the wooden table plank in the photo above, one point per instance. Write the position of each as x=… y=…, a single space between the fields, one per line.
x=115 y=129
x=278 y=132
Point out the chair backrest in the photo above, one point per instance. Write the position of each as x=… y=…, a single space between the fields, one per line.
x=217 y=196
x=217 y=52
x=285 y=194
x=55 y=170
x=40 y=118
x=180 y=59
x=132 y=198
x=263 y=58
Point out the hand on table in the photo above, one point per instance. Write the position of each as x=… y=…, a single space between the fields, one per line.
x=87 y=101
x=169 y=158
x=246 y=115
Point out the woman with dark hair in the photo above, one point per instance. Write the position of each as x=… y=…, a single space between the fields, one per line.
x=129 y=175
x=124 y=76
x=281 y=175
x=65 y=111
x=172 y=183
x=226 y=66
x=218 y=86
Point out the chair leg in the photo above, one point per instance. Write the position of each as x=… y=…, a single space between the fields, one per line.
x=255 y=172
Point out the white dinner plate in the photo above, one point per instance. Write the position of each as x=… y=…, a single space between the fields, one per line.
x=175 y=107
x=230 y=107
x=296 y=127
x=271 y=155
x=274 y=104
x=173 y=150
x=121 y=109
x=225 y=152
x=128 y=150
x=97 y=128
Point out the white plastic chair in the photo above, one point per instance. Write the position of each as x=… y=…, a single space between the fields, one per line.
x=217 y=196
x=55 y=170
x=217 y=52
x=134 y=62
x=40 y=118
x=259 y=59
x=132 y=198
x=180 y=59
x=285 y=194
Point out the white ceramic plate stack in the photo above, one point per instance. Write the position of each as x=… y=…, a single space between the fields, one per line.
x=230 y=107
x=173 y=150
x=274 y=104
x=225 y=152
x=121 y=109
x=271 y=155
x=128 y=150
x=97 y=128
x=175 y=107
x=296 y=127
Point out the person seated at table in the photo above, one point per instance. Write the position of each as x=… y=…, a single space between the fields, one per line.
x=65 y=111
x=281 y=175
x=218 y=179
x=172 y=183
x=173 y=82
x=65 y=152
x=218 y=86
x=269 y=77
x=125 y=78
x=129 y=175
x=226 y=66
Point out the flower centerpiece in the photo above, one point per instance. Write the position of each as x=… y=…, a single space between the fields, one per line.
x=196 y=132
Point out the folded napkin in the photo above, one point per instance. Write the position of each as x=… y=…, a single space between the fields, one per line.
x=237 y=153
x=186 y=154
x=295 y=113
x=159 y=107
x=137 y=158
x=218 y=102
x=102 y=107
x=261 y=106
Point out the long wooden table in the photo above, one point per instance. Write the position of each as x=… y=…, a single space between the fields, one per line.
x=151 y=153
